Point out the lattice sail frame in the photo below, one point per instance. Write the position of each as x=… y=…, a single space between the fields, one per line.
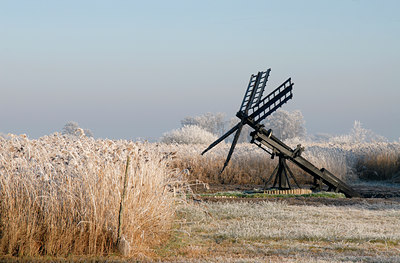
x=257 y=107
x=272 y=102
x=255 y=90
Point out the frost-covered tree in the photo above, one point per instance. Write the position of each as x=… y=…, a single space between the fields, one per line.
x=189 y=134
x=357 y=135
x=211 y=122
x=360 y=134
x=72 y=128
x=215 y=123
x=286 y=125
x=320 y=137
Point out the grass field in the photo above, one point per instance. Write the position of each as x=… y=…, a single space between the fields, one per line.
x=277 y=232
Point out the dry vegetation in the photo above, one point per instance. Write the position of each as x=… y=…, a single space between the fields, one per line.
x=380 y=166
x=251 y=165
x=61 y=195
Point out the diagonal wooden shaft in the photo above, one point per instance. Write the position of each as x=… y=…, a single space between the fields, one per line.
x=223 y=137
x=235 y=140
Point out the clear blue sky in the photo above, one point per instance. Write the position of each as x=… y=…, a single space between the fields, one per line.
x=128 y=69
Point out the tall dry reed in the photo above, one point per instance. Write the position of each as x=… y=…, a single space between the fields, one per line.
x=61 y=196
x=380 y=166
x=250 y=165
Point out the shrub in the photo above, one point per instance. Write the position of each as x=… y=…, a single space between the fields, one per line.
x=72 y=129
x=188 y=134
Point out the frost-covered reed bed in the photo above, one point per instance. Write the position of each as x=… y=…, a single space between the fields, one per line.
x=61 y=195
x=251 y=165
x=365 y=160
x=248 y=164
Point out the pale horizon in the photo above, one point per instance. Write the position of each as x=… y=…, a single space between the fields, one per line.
x=128 y=70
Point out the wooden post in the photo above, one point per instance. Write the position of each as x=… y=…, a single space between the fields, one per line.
x=121 y=205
